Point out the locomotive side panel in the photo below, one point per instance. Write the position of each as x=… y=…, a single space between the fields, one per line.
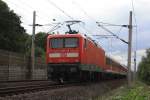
x=93 y=57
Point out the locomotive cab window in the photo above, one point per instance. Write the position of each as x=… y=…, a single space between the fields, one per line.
x=71 y=42
x=108 y=61
x=56 y=43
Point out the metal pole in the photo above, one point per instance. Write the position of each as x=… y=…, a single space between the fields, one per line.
x=134 y=66
x=33 y=47
x=129 y=49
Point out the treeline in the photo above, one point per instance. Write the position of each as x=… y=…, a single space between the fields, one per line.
x=144 y=68
x=13 y=36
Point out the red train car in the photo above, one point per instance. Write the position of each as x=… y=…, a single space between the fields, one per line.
x=76 y=57
x=115 y=68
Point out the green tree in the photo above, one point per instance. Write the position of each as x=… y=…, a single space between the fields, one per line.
x=144 y=68
x=12 y=34
x=40 y=45
x=40 y=40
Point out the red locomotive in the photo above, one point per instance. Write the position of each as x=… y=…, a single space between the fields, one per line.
x=75 y=57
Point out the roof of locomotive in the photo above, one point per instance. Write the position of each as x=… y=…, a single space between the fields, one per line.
x=64 y=35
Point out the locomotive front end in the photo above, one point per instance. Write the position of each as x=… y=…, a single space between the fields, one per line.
x=63 y=57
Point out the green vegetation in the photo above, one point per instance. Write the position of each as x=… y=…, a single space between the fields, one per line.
x=139 y=91
x=144 y=68
x=40 y=40
x=40 y=45
x=13 y=36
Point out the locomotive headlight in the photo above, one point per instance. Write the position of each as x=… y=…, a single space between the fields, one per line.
x=54 y=55
x=74 y=54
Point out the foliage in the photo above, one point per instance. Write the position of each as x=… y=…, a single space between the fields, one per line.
x=40 y=45
x=12 y=34
x=40 y=40
x=144 y=68
x=139 y=91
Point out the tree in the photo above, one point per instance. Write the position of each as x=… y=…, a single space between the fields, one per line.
x=40 y=44
x=144 y=68
x=40 y=40
x=12 y=34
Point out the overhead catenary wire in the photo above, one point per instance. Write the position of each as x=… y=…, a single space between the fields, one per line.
x=28 y=8
x=85 y=13
x=112 y=33
x=39 y=16
x=24 y=12
x=19 y=10
x=102 y=22
x=54 y=27
x=108 y=24
x=43 y=12
x=53 y=4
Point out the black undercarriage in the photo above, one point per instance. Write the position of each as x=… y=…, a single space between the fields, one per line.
x=73 y=72
x=65 y=72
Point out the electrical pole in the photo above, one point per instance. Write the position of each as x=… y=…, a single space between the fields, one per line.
x=129 y=49
x=129 y=44
x=33 y=46
x=134 y=66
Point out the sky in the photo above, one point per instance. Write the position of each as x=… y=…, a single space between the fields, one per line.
x=90 y=11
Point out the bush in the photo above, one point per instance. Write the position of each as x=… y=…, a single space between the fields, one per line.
x=144 y=68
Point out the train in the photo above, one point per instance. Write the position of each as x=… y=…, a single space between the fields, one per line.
x=76 y=57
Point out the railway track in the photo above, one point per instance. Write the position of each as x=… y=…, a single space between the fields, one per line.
x=9 y=91
x=25 y=89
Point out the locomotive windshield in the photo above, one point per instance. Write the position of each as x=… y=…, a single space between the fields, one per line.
x=57 y=43
x=71 y=42
x=64 y=42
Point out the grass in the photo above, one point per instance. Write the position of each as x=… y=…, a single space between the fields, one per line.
x=139 y=91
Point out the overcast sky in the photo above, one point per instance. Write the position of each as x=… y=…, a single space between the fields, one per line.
x=89 y=11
